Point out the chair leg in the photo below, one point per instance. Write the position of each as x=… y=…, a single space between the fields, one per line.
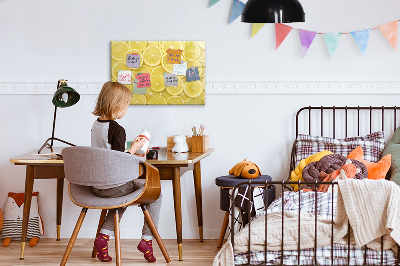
x=117 y=239
x=73 y=237
x=154 y=230
x=101 y=222
x=223 y=229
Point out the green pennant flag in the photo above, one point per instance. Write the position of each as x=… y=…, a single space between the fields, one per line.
x=213 y=2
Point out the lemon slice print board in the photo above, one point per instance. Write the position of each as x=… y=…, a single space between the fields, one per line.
x=152 y=57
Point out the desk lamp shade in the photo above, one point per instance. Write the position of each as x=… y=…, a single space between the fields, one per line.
x=64 y=96
x=273 y=11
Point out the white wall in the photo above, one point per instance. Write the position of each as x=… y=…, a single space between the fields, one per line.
x=42 y=41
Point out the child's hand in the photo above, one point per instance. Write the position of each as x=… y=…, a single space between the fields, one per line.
x=137 y=144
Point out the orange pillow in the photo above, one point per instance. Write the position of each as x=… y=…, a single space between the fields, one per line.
x=375 y=170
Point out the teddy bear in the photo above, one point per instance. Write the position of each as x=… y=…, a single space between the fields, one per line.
x=180 y=144
x=13 y=215
x=245 y=169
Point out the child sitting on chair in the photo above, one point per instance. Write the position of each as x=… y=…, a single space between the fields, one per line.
x=112 y=103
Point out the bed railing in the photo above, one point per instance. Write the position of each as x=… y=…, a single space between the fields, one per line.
x=265 y=185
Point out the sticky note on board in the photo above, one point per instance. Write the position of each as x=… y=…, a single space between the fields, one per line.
x=133 y=60
x=170 y=80
x=192 y=74
x=174 y=56
x=125 y=77
x=144 y=80
x=180 y=69
x=136 y=90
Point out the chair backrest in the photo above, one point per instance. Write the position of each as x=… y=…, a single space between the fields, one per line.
x=92 y=166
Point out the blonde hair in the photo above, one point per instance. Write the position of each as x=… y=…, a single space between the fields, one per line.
x=112 y=99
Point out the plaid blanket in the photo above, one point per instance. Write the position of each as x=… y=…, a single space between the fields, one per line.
x=323 y=205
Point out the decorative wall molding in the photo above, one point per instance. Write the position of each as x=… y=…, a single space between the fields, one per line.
x=233 y=87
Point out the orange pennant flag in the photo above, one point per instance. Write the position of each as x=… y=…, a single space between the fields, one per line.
x=281 y=31
x=389 y=30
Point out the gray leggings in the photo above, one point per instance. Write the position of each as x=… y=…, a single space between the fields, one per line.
x=154 y=208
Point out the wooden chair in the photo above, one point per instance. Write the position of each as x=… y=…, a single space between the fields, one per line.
x=85 y=167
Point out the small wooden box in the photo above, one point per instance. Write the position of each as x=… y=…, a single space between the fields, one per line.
x=171 y=143
x=200 y=143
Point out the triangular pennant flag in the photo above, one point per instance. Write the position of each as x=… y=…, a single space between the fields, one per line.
x=306 y=39
x=332 y=41
x=213 y=2
x=361 y=37
x=281 y=31
x=255 y=28
x=237 y=9
x=389 y=30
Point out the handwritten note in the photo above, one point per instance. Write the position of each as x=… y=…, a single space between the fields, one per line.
x=170 y=80
x=144 y=80
x=125 y=77
x=174 y=56
x=180 y=69
x=192 y=74
x=133 y=60
x=136 y=90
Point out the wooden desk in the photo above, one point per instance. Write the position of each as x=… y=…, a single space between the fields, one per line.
x=168 y=164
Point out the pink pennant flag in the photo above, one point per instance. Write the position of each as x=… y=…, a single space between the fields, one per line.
x=281 y=31
x=389 y=30
x=306 y=39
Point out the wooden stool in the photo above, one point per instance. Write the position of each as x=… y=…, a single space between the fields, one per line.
x=226 y=183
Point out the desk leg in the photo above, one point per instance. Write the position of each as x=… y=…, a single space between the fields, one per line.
x=27 y=206
x=197 y=189
x=176 y=182
x=60 y=190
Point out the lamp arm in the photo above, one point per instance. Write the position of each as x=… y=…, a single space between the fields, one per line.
x=54 y=126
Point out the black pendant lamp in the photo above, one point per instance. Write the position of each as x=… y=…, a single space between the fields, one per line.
x=273 y=11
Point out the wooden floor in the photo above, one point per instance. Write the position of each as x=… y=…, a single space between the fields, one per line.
x=50 y=252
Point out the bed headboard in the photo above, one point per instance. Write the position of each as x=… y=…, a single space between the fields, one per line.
x=344 y=121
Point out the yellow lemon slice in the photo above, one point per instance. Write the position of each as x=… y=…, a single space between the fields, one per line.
x=196 y=100
x=118 y=50
x=173 y=45
x=159 y=70
x=152 y=55
x=175 y=100
x=167 y=67
x=158 y=100
x=138 y=99
x=156 y=43
x=118 y=66
x=157 y=83
x=139 y=45
x=202 y=44
x=194 y=88
x=134 y=51
x=192 y=51
x=200 y=65
x=142 y=69
x=176 y=90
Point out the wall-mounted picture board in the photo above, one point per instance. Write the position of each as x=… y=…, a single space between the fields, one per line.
x=161 y=72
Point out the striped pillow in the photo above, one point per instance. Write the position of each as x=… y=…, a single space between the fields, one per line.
x=372 y=145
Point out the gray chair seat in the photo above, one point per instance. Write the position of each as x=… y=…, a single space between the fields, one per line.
x=83 y=196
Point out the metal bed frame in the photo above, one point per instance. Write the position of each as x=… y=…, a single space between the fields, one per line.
x=283 y=184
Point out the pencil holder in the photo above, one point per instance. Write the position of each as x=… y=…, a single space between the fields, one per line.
x=200 y=143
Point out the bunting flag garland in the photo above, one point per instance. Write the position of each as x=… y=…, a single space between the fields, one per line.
x=332 y=41
x=389 y=30
x=237 y=9
x=256 y=27
x=213 y=2
x=361 y=37
x=281 y=31
x=306 y=39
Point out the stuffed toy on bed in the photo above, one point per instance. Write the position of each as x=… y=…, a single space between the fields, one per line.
x=13 y=215
x=245 y=169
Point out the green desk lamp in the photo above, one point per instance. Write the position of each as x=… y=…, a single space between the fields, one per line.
x=65 y=96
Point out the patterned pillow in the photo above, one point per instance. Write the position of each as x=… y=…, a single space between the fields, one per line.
x=372 y=144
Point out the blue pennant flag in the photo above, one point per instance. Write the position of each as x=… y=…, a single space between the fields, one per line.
x=361 y=38
x=332 y=41
x=237 y=9
x=213 y=2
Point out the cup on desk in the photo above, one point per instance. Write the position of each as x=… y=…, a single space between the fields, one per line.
x=152 y=155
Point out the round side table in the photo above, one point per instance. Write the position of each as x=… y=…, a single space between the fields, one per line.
x=228 y=182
